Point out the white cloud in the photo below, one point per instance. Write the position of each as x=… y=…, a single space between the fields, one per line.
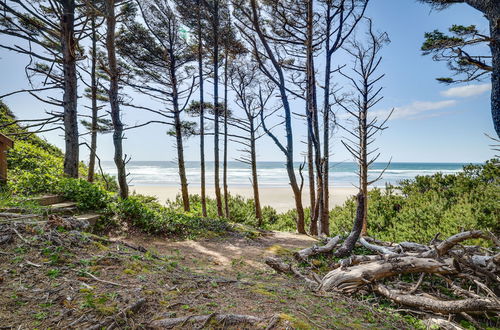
x=414 y=109
x=466 y=91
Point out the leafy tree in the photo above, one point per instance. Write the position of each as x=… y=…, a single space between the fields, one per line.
x=160 y=58
x=458 y=50
x=51 y=31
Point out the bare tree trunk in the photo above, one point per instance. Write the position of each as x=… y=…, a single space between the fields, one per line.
x=495 y=75
x=353 y=237
x=180 y=159
x=255 y=182
x=202 y=114
x=93 y=91
x=224 y=170
x=326 y=120
x=288 y=150
x=363 y=161
x=313 y=226
x=70 y=98
x=216 y=106
x=113 y=98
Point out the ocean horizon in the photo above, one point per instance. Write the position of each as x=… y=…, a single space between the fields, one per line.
x=273 y=174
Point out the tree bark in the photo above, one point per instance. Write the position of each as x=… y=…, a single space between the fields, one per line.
x=353 y=237
x=255 y=182
x=288 y=151
x=224 y=170
x=494 y=19
x=202 y=112
x=215 y=27
x=113 y=98
x=178 y=131
x=353 y=278
x=70 y=98
x=93 y=91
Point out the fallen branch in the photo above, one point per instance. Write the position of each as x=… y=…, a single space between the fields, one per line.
x=436 y=305
x=302 y=255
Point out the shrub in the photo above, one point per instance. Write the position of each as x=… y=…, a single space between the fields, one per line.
x=147 y=214
x=88 y=196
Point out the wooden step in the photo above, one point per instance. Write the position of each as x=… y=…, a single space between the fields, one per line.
x=92 y=218
x=48 y=200
x=63 y=208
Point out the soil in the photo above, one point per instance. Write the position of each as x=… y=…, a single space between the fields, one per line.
x=63 y=279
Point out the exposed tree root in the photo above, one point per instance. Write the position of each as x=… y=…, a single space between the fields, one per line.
x=203 y=321
x=453 y=279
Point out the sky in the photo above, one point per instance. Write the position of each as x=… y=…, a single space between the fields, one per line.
x=432 y=122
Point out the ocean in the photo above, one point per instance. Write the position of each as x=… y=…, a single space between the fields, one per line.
x=272 y=174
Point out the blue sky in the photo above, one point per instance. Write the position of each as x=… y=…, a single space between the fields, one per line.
x=432 y=122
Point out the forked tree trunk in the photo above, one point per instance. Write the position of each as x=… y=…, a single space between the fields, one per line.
x=70 y=98
x=202 y=112
x=93 y=91
x=113 y=98
x=288 y=150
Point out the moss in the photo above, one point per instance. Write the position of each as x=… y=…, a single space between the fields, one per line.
x=295 y=322
x=280 y=251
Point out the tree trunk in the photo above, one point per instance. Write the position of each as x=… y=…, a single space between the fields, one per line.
x=326 y=121
x=93 y=87
x=224 y=170
x=313 y=226
x=113 y=98
x=202 y=114
x=178 y=130
x=70 y=98
x=288 y=151
x=353 y=237
x=255 y=182
x=216 y=106
x=180 y=158
x=363 y=160
x=495 y=75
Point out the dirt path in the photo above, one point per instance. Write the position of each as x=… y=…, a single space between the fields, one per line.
x=221 y=254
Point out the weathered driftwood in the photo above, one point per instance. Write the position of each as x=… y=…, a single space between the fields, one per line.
x=376 y=248
x=352 y=278
x=437 y=305
x=302 y=255
x=471 y=272
x=204 y=320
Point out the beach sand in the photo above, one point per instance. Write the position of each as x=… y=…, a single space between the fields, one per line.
x=280 y=198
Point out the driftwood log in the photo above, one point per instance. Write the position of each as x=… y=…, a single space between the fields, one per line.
x=460 y=281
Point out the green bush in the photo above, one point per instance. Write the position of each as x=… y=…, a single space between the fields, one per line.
x=420 y=208
x=148 y=214
x=88 y=196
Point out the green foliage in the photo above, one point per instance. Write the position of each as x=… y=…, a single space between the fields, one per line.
x=420 y=208
x=88 y=196
x=36 y=167
x=147 y=213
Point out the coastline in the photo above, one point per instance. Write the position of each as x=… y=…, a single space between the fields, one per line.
x=280 y=198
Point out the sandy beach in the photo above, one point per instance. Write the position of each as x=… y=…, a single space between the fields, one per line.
x=280 y=198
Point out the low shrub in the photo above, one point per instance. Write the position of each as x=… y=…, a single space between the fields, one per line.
x=149 y=215
x=88 y=196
